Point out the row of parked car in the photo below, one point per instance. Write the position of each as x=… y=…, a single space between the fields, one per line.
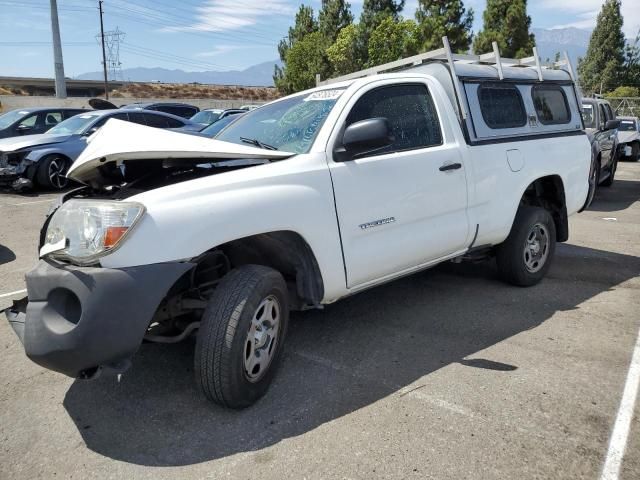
x=38 y=145
x=612 y=139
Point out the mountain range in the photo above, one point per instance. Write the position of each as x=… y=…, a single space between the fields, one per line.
x=256 y=75
x=573 y=40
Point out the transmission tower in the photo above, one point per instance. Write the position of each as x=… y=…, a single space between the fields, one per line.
x=112 y=41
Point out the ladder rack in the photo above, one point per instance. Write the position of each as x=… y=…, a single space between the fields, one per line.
x=445 y=54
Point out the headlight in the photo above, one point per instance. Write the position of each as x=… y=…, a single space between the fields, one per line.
x=85 y=230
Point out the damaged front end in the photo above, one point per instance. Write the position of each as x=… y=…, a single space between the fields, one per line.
x=81 y=317
x=17 y=170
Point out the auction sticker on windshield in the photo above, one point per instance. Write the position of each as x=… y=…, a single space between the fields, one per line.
x=324 y=95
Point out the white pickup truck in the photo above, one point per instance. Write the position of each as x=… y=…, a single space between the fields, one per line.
x=300 y=203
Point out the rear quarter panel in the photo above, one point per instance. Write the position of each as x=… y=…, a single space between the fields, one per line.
x=496 y=190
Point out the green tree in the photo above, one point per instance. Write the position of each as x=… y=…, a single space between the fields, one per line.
x=343 y=54
x=437 y=18
x=305 y=23
x=602 y=67
x=506 y=22
x=373 y=13
x=392 y=40
x=625 y=92
x=631 y=70
x=304 y=59
x=333 y=17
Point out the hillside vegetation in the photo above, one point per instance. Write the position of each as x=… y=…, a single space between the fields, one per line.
x=176 y=90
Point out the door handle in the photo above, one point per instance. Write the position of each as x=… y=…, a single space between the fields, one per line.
x=450 y=166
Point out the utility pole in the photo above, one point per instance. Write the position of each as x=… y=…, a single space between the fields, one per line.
x=104 y=55
x=61 y=86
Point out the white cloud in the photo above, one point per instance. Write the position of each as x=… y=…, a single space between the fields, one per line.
x=218 y=50
x=224 y=15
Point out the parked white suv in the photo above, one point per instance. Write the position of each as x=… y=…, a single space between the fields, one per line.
x=297 y=204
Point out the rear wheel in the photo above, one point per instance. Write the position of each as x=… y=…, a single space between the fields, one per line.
x=51 y=172
x=241 y=336
x=525 y=256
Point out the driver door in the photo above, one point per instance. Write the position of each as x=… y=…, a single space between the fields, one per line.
x=406 y=204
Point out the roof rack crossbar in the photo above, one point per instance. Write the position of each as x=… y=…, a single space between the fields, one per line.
x=456 y=80
x=537 y=64
x=498 y=60
x=445 y=54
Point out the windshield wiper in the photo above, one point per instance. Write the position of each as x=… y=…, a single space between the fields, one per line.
x=258 y=143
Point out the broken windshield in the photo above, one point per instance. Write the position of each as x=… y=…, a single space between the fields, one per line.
x=290 y=125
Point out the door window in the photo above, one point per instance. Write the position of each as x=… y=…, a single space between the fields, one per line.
x=29 y=121
x=52 y=118
x=157 y=121
x=173 y=123
x=411 y=114
x=610 y=114
x=117 y=116
x=137 y=117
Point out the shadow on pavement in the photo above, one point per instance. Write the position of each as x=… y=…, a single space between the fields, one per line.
x=339 y=360
x=6 y=255
x=620 y=196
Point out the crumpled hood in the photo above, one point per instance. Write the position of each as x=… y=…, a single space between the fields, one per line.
x=626 y=137
x=118 y=141
x=12 y=144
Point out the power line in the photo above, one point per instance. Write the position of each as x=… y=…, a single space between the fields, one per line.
x=44 y=44
x=156 y=20
x=169 y=58
x=44 y=7
x=264 y=33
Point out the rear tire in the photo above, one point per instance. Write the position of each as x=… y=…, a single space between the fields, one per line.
x=51 y=172
x=525 y=256
x=241 y=336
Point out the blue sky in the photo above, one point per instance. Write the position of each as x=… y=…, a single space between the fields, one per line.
x=201 y=34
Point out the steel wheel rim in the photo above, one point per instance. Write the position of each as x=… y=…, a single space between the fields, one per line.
x=56 y=173
x=536 y=248
x=262 y=338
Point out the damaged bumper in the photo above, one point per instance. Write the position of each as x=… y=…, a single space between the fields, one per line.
x=14 y=171
x=79 y=320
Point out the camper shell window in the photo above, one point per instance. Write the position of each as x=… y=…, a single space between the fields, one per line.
x=551 y=104
x=501 y=106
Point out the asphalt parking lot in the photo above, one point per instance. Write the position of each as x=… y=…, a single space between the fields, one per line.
x=447 y=374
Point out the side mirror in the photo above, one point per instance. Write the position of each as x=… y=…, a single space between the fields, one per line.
x=91 y=131
x=22 y=129
x=612 y=125
x=365 y=136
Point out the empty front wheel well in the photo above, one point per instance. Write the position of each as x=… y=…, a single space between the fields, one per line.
x=285 y=251
x=548 y=192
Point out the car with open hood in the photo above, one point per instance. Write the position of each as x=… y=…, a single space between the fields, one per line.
x=297 y=204
x=629 y=138
x=44 y=159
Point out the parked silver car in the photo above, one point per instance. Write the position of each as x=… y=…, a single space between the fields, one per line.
x=629 y=138
x=44 y=159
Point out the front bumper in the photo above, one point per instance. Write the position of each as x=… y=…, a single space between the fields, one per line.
x=15 y=178
x=78 y=320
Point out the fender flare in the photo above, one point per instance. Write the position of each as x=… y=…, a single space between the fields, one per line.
x=37 y=155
